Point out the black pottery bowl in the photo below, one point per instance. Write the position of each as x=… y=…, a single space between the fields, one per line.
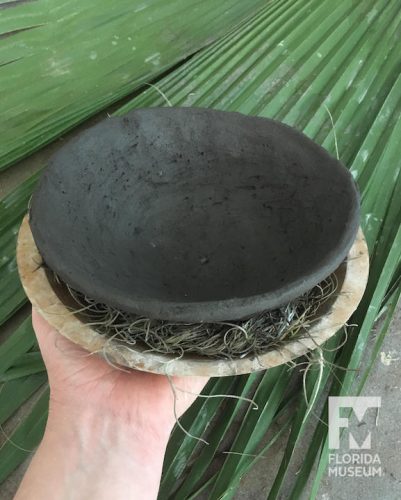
x=193 y=215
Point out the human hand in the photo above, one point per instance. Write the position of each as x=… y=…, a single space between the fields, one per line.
x=80 y=381
x=107 y=428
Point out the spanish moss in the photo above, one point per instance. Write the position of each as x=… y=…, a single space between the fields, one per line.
x=219 y=340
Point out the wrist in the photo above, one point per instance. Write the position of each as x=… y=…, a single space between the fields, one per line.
x=94 y=426
x=95 y=454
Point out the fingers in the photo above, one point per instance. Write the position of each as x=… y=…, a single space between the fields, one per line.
x=191 y=385
x=186 y=390
x=45 y=333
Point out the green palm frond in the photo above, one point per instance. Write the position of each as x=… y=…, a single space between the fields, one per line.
x=298 y=61
x=61 y=61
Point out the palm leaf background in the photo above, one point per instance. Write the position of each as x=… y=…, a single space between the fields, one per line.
x=292 y=60
x=61 y=61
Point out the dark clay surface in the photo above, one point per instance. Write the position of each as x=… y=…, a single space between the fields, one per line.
x=192 y=214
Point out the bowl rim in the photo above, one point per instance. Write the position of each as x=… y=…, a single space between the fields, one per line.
x=46 y=301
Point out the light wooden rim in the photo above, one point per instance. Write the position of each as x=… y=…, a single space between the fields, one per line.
x=45 y=300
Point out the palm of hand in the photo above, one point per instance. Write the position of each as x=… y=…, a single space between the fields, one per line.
x=80 y=381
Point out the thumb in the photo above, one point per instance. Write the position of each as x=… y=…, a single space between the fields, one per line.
x=53 y=346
